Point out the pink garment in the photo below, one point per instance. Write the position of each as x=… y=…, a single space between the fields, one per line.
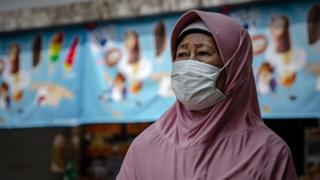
x=226 y=141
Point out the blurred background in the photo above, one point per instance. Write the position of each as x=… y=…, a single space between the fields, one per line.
x=80 y=79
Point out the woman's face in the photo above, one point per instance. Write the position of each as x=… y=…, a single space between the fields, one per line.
x=203 y=48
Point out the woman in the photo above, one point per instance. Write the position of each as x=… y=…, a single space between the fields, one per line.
x=214 y=130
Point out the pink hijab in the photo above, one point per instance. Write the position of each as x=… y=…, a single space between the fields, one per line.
x=226 y=141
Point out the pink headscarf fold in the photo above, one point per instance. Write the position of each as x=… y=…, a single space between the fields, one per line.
x=226 y=141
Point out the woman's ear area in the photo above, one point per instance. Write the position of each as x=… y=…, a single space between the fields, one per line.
x=221 y=81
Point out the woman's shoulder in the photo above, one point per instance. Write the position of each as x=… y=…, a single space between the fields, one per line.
x=261 y=139
x=269 y=140
x=276 y=156
x=146 y=138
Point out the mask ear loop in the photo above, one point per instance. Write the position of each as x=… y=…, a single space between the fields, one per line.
x=234 y=54
x=232 y=57
x=225 y=65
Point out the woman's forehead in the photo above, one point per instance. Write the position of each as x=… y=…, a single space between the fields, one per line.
x=197 y=39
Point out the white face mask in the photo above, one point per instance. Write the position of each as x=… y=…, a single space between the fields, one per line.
x=194 y=84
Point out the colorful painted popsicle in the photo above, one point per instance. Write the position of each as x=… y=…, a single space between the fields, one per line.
x=55 y=47
x=69 y=61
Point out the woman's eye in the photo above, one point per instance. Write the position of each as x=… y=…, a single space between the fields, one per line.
x=204 y=53
x=182 y=55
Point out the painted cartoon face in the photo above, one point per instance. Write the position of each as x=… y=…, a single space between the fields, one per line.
x=265 y=76
x=119 y=80
x=4 y=89
x=265 y=73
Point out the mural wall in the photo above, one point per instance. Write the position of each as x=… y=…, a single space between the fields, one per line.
x=120 y=71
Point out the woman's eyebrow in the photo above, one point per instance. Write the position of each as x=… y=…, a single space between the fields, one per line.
x=184 y=46
x=200 y=45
